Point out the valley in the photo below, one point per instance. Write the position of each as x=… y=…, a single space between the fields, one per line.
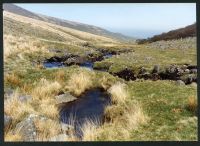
x=67 y=84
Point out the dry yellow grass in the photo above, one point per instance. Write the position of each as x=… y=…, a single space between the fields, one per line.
x=10 y=137
x=69 y=34
x=47 y=129
x=48 y=108
x=79 y=82
x=192 y=103
x=118 y=93
x=89 y=130
x=45 y=89
x=20 y=45
x=59 y=76
x=105 y=82
x=13 y=79
x=135 y=117
x=17 y=109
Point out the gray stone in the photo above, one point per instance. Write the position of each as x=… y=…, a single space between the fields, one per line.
x=27 y=128
x=63 y=98
x=187 y=71
x=193 y=84
x=25 y=98
x=8 y=93
x=156 y=69
x=7 y=121
x=60 y=137
x=194 y=71
x=180 y=83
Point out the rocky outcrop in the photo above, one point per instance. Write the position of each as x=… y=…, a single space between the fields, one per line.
x=185 y=74
x=126 y=74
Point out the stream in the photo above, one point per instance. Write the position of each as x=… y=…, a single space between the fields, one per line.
x=90 y=105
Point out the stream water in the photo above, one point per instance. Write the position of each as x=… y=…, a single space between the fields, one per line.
x=86 y=64
x=89 y=105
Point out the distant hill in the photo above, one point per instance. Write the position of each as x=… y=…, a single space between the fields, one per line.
x=188 y=31
x=75 y=25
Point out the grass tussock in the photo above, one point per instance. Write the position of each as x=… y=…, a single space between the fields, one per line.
x=12 y=79
x=89 y=130
x=46 y=89
x=17 y=109
x=49 y=109
x=192 y=103
x=47 y=129
x=79 y=82
x=118 y=93
x=59 y=76
x=10 y=137
x=135 y=117
x=105 y=82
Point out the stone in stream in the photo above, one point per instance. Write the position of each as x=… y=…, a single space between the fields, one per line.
x=7 y=121
x=63 y=98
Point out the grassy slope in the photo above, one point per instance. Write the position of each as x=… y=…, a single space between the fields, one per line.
x=163 y=101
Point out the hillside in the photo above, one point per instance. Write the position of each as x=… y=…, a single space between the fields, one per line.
x=64 y=84
x=65 y=23
x=188 y=31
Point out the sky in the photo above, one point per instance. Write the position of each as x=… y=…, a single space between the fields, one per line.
x=137 y=20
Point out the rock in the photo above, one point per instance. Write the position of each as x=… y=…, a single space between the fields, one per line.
x=63 y=98
x=193 y=71
x=26 y=128
x=60 y=137
x=192 y=67
x=8 y=93
x=180 y=83
x=193 y=84
x=25 y=98
x=126 y=74
x=142 y=70
x=187 y=71
x=7 y=121
x=156 y=69
x=155 y=77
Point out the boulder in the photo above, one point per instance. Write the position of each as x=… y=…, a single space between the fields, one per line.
x=63 y=98
x=193 y=71
x=7 y=121
x=193 y=84
x=156 y=69
x=180 y=83
x=26 y=128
